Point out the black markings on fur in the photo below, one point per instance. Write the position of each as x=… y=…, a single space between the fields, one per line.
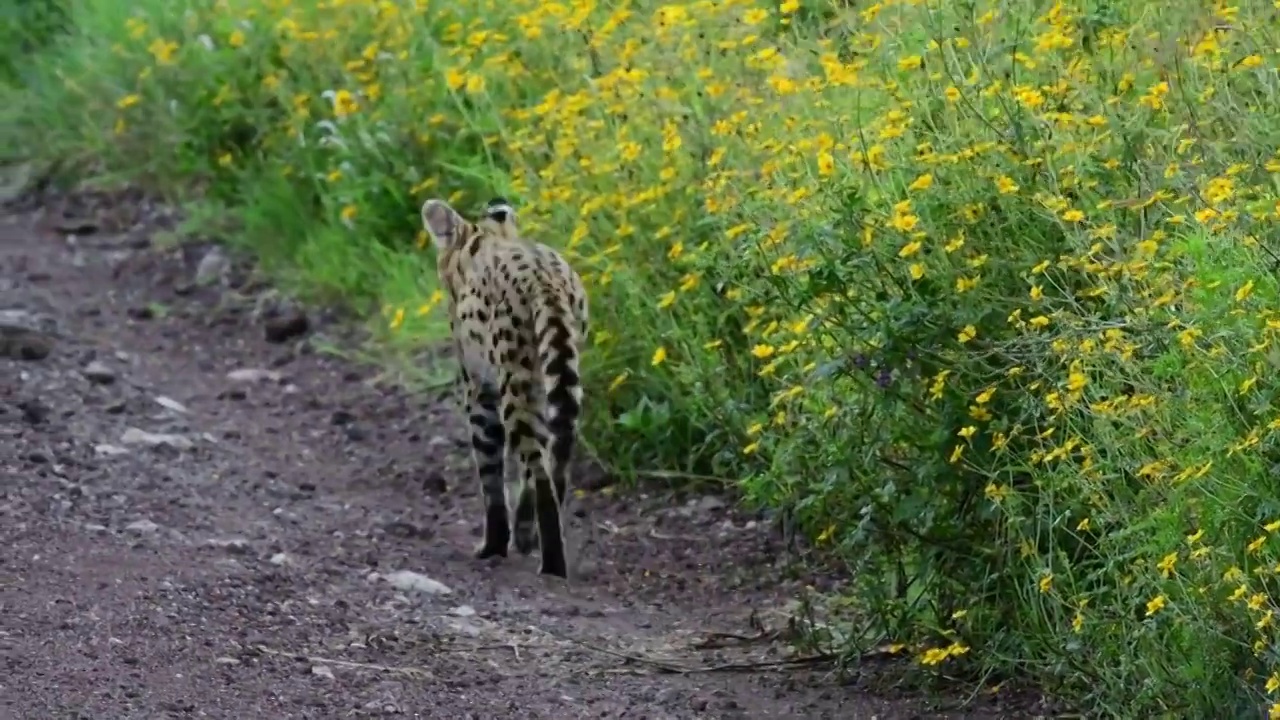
x=563 y=419
x=488 y=442
x=526 y=535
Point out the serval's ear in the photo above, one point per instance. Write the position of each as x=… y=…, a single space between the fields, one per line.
x=442 y=222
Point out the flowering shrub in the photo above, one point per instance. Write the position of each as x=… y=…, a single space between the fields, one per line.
x=984 y=294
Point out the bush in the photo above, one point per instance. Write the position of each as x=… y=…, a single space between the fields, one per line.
x=25 y=27
x=982 y=294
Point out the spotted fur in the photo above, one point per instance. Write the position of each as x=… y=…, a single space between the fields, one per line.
x=518 y=315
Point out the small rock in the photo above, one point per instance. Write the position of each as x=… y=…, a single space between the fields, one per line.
x=22 y=343
x=134 y=436
x=410 y=581
x=105 y=450
x=171 y=404
x=98 y=372
x=433 y=482
x=76 y=225
x=323 y=671
x=34 y=412
x=213 y=267
x=142 y=527
x=711 y=503
x=464 y=611
x=253 y=375
x=226 y=661
x=289 y=324
x=238 y=546
x=279 y=559
x=462 y=627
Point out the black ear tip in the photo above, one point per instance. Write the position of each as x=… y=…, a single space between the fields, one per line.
x=498 y=210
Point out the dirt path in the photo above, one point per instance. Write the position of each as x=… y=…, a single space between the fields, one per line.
x=197 y=522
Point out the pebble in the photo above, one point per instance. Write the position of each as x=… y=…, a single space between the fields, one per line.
x=213 y=267
x=171 y=404
x=410 y=581
x=134 y=436
x=142 y=527
x=253 y=375
x=98 y=372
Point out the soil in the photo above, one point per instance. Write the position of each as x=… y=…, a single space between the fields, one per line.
x=202 y=515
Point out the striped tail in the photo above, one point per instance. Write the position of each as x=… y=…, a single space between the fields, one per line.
x=558 y=356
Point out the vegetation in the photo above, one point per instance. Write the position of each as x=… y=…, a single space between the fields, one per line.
x=983 y=293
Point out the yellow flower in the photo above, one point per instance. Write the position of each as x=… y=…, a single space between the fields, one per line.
x=659 y=356
x=924 y=182
x=911 y=62
x=826 y=163
x=618 y=380
x=904 y=222
x=1250 y=62
x=162 y=50
x=344 y=103
x=1156 y=604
